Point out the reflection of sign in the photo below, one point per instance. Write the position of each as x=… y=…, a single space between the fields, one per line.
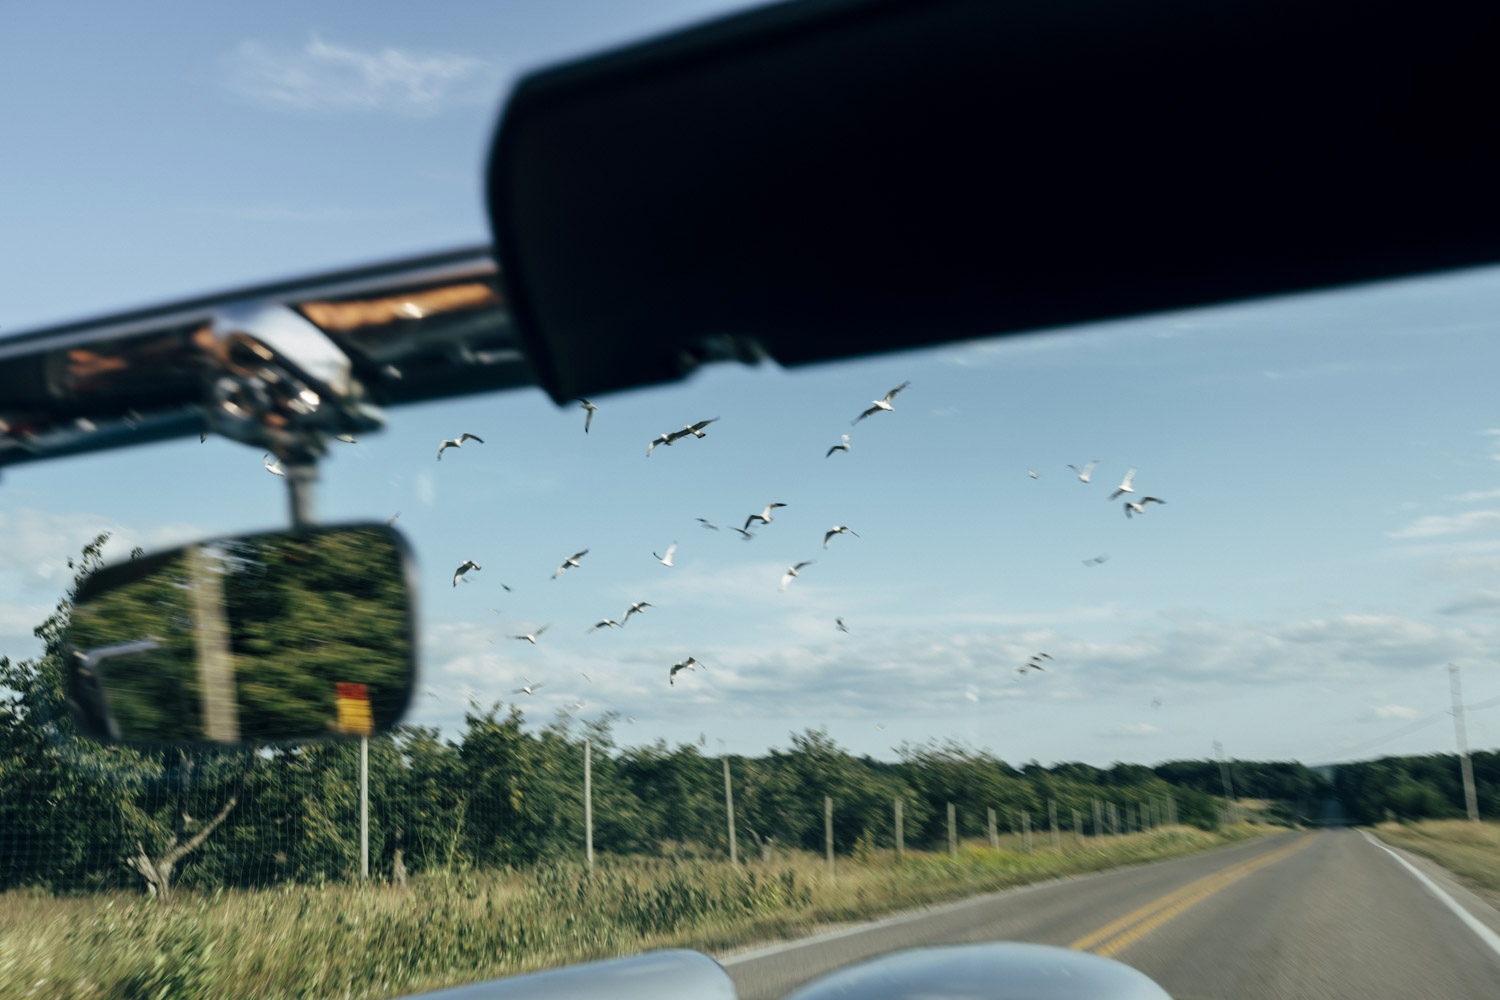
x=354 y=708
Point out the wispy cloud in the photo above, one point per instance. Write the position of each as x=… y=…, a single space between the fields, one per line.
x=1131 y=730
x=1433 y=525
x=321 y=76
x=1486 y=602
x=1473 y=495
x=1384 y=712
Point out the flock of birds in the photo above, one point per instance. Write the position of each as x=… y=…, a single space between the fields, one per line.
x=761 y=519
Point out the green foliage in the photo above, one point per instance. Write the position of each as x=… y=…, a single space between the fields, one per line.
x=1426 y=787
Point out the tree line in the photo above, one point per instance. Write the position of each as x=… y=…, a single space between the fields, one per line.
x=1424 y=787
x=75 y=815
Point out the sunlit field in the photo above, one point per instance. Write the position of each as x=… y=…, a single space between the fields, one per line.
x=448 y=928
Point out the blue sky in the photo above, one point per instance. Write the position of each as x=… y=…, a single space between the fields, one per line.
x=1331 y=462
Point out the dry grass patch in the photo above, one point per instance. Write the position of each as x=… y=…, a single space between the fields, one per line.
x=1471 y=850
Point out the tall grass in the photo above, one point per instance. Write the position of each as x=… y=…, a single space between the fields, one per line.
x=1470 y=849
x=462 y=926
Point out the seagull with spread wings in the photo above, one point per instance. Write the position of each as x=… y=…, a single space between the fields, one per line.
x=528 y=687
x=764 y=517
x=1085 y=472
x=571 y=561
x=840 y=623
x=636 y=608
x=591 y=408
x=606 y=623
x=1140 y=508
x=457 y=442
x=463 y=568
x=687 y=664
x=274 y=468
x=532 y=637
x=842 y=446
x=1124 y=486
x=880 y=404
x=838 y=529
x=666 y=560
x=707 y=523
x=791 y=573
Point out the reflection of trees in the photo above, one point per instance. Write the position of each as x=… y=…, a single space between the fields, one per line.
x=157 y=692
x=308 y=611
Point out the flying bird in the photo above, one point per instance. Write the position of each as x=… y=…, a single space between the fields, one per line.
x=202 y=437
x=527 y=688
x=1156 y=703
x=843 y=446
x=585 y=676
x=463 y=568
x=1140 y=508
x=1097 y=560
x=659 y=439
x=880 y=404
x=457 y=442
x=838 y=529
x=1033 y=475
x=1124 y=486
x=532 y=637
x=570 y=561
x=687 y=664
x=879 y=728
x=636 y=608
x=791 y=573
x=840 y=623
x=591 y=408
x=606 y=623
x=274 y=468
x=346 y=438
x=707 y=524
x=744 y=535
x=1086 y=471
x=696 y=430
x=666 y=560
x=392 y=519
x=764 y=517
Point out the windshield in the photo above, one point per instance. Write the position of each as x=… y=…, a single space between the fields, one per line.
x=1019 y=575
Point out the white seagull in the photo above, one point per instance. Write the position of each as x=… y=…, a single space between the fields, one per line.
x=840 y=623
x=844 y=446
x=838 y=529
x=666 y=560
x=636 y=608
x=659 y=439
x=1033 y=475
x=274 y=468
x=791 y=573
x=572 y=560
x=1086 y=471
x=745 y=535
x=880 y=404
x=591 y=408
x=764 y=517
x=1124 y=486
x=532 y=637
x=1140 y=508
x=528 y=687
x=696 y=430
x=606 y=623
x=346 y=438
x=457 y=442
x=687 y=664
x=463 y=568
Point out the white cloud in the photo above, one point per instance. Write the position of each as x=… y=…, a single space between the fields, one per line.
x=326 y=77
x=1478 y=495
x=1131 y=730
x=1486 y=602
x=1432 y=525
x=37 y=544
x=1393 y=712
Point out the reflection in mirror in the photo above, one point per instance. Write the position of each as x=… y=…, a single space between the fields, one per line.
x=269 y=638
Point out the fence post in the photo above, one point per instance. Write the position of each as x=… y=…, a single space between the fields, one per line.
x=828 y=829
x=994 y=836
x=1078 y=826
x=1025 y=831
x=1052 y=822
x=1114 y=819
x=588 y=802
x=1129 y=816
x=952 y=833
x=1098 y=818
x=1172 y=810
x=900 y=834
x=734 y=858
x=364 y=809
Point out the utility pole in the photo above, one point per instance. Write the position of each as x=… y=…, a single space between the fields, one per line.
x=1466 y=768
x=729 y=809
x=1225 y=779
x=828 y=829
x=364 y=809
x=588 y=803
x=952 y=832
x=900 y=834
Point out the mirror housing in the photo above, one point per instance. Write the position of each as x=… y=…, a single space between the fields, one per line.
x=270 y=638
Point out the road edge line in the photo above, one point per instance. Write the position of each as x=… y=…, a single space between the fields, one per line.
x=1489 y=937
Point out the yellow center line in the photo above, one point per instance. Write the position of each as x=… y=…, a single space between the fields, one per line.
x=1144 y=919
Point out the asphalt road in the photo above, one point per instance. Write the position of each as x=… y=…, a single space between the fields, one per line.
x=1308 y=915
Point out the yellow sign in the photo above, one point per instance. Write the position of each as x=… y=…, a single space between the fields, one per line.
x=353 y=706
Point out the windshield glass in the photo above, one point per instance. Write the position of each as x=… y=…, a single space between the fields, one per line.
x=1007 y=577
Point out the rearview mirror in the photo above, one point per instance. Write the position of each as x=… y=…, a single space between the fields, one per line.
x=269 y=638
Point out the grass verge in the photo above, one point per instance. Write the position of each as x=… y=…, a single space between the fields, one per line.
x=308 y=942
x=1470 y=850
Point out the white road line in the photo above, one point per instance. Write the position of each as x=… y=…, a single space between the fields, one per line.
x=1484 y=934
